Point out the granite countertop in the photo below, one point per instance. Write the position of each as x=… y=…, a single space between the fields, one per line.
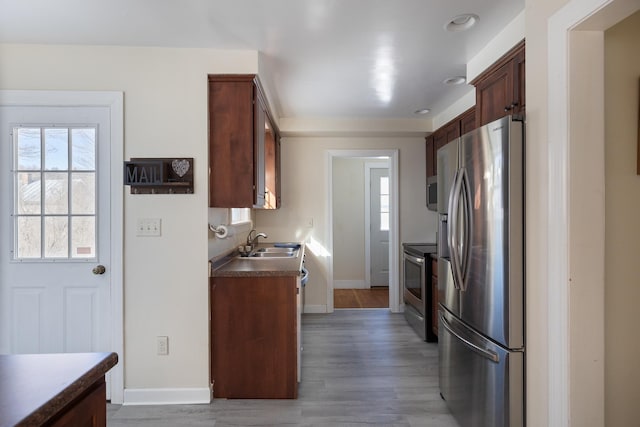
x=36 y=387
x=231 y=265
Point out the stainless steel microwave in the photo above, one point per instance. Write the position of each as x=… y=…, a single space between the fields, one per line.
x=432 y=193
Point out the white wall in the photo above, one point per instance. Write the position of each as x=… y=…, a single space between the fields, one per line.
x=165 y=106
x=622 y=240
x=304 y=196
x=348 y=219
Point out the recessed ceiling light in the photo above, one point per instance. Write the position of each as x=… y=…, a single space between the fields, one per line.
x=422 y=111
x=458 y=80
x=462 y=22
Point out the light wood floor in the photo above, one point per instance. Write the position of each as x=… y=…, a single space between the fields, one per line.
x=361 y=298
x=359 y=368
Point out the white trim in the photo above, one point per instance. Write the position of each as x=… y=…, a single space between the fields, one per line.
x=350 y=284
x=166 y=396
x=558 y=214
x=394 y=230
x=115 y=102
x=315 y=309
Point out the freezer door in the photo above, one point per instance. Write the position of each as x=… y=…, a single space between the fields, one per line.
x=482 y=383
x=491 y=297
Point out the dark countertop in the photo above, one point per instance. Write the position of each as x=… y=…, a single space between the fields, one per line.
x=35 y=387
x=420 y=249
x=230 y=265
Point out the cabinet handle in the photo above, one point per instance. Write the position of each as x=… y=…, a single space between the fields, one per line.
x=511 y=107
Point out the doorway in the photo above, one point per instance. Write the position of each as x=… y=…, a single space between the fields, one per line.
x=363 y=196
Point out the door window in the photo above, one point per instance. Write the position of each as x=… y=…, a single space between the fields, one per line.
x=54 y=193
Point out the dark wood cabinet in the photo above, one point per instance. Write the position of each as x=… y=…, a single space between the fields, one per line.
x=462 y=124
x=243 y=144
x=500 y=89
x=254 y=337
x=430 y=156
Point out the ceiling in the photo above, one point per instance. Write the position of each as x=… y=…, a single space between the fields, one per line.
x=319 y=58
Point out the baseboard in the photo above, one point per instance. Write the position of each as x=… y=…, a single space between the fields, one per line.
x=314 y=309
x=350 y=284
x=166 y=396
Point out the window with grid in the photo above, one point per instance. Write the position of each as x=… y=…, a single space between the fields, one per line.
x=384 y=203
x=54 y=192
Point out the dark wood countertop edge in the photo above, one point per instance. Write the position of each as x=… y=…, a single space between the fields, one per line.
x=74 y=390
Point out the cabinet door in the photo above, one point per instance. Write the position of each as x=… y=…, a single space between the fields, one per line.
x=260 y=126
x=231 y=144
x=452 y=130
x=271 y=167
x=494 y=94
x=468 y=121
x=430 y=156
x=439 y=139
x=519 y=82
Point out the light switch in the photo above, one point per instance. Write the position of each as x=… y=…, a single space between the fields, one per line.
x=148 y=227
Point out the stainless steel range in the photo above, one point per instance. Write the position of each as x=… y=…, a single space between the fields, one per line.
x=416 y=289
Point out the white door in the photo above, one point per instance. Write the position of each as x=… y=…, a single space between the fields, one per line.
x=379 y=241
x=54 y=223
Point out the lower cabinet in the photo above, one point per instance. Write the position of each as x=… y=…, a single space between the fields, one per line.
x=254 y=337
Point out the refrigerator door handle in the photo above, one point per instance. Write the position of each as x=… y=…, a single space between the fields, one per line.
x=465 y=201
x=487 y=354
x=454 y=204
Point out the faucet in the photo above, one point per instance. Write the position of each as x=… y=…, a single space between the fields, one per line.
x=252 y=241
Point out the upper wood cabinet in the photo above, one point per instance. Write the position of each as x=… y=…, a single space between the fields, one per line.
x=244 y=144
x=462 y=124
x=500 y=89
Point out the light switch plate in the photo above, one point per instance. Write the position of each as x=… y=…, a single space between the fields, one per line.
x=149 y=227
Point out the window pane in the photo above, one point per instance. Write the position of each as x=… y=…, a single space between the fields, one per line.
x=83 y=199
x=28 y=152
x=56 y=153
x=83 y=237
x=28 y=184
x=384 y=221
x=56 y=241
x=240 y=215
x=83 y=151
x=384 y=203
x=56 y=193
x=28 y=237
x=384 y=185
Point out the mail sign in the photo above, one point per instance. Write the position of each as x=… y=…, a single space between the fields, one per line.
x=143 y=172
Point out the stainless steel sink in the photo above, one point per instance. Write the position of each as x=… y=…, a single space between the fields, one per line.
x=273 y=252
x=276 y=250
x=272 y=255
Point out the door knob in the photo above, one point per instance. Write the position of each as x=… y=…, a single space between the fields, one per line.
x=99 y=269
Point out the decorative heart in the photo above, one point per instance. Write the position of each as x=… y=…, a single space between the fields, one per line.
x=181 y=167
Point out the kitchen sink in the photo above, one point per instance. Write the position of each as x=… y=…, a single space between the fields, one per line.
x=272 y=254
x=275 y=250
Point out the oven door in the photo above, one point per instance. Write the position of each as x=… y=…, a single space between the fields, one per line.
x=414 y=282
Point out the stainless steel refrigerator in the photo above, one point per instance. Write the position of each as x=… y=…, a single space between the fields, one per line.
x=481 y=275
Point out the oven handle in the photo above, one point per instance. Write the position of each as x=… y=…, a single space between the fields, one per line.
x=415 y=259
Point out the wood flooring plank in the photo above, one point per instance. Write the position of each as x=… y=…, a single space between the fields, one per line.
x=359 y=368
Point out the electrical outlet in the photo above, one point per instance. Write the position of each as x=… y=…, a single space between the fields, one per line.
x=148 y=227
x=163 y=346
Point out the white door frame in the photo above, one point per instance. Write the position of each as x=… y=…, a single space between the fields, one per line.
x=113 y=101
x=394 y=230
x=563 y=247
x=367 y=217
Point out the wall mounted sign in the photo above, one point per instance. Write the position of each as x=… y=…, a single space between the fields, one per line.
x=159 y=175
